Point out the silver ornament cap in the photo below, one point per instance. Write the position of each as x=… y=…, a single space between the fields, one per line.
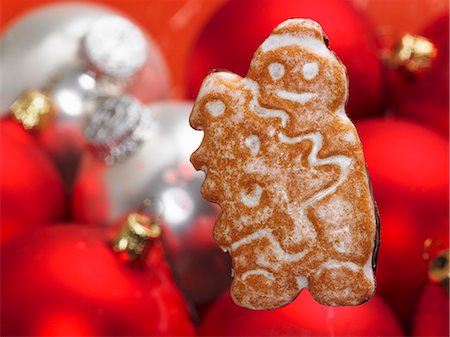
x=118 y=128
x=115 y=47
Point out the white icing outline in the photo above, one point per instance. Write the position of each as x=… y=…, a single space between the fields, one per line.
x=343 y=162
x=259 y=110
x=349 y=137
x=266 y=233
x=252 y=200
x=262 y=272
x=367 y=269
x=334 y=264
x=314 y=45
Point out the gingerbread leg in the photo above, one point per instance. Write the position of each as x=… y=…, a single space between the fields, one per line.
x=259 y=284
x=260 y=290
x=341 y=283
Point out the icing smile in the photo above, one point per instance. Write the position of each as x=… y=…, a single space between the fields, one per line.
x=301 y=98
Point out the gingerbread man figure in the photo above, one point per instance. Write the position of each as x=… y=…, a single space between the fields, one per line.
x=286 y=166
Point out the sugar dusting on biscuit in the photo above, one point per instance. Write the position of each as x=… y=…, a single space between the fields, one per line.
x=286 y=165
x=252 y=199
x=252 y=143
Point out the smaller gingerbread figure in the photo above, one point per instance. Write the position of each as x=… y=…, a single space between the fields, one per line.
x=286 y=166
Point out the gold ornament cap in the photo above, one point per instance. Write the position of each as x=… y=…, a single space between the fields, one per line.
x=438 y=269
x=414 y=53
x=33 y=109
x=135 y=239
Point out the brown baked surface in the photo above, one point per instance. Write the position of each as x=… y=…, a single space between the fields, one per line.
x=286 y=166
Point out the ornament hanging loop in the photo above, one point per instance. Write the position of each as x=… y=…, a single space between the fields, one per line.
x=414 y=53
x=33 y=109
x=137 y=236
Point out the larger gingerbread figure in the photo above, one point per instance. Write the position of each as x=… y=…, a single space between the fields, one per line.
x=286 y=166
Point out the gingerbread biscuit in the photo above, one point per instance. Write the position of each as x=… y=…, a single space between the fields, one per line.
x=286 y=166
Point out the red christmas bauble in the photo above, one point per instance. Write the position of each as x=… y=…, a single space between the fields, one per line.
x=234 y=33
x=66 y=280
x=303 y=317
x=423 y=95
x=392 y=19
x=408 y=166
x=432 y=315
x=31 y=191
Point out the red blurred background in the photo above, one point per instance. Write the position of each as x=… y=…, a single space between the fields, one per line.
x=159 y=18
x=402 y=117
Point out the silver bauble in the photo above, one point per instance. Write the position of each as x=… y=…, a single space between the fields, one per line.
x=42 y=42
x=157 y=171
x=59 y=49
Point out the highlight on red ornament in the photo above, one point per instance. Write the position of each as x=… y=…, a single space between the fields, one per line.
x=103 y=230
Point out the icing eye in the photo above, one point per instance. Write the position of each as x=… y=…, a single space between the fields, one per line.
x=310 y=70
x=215 y=108
x=276 y=71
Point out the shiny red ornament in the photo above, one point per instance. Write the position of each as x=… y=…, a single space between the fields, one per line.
x=432 y=315
x=234 y=33
x=409 y=169
x=423 y=95
x=66 y=280
x=31 y=191
x=303 y=317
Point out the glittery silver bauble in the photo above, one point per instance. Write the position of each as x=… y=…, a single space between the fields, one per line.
x=158 y=171
x=115 y=47
x=43 y=42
